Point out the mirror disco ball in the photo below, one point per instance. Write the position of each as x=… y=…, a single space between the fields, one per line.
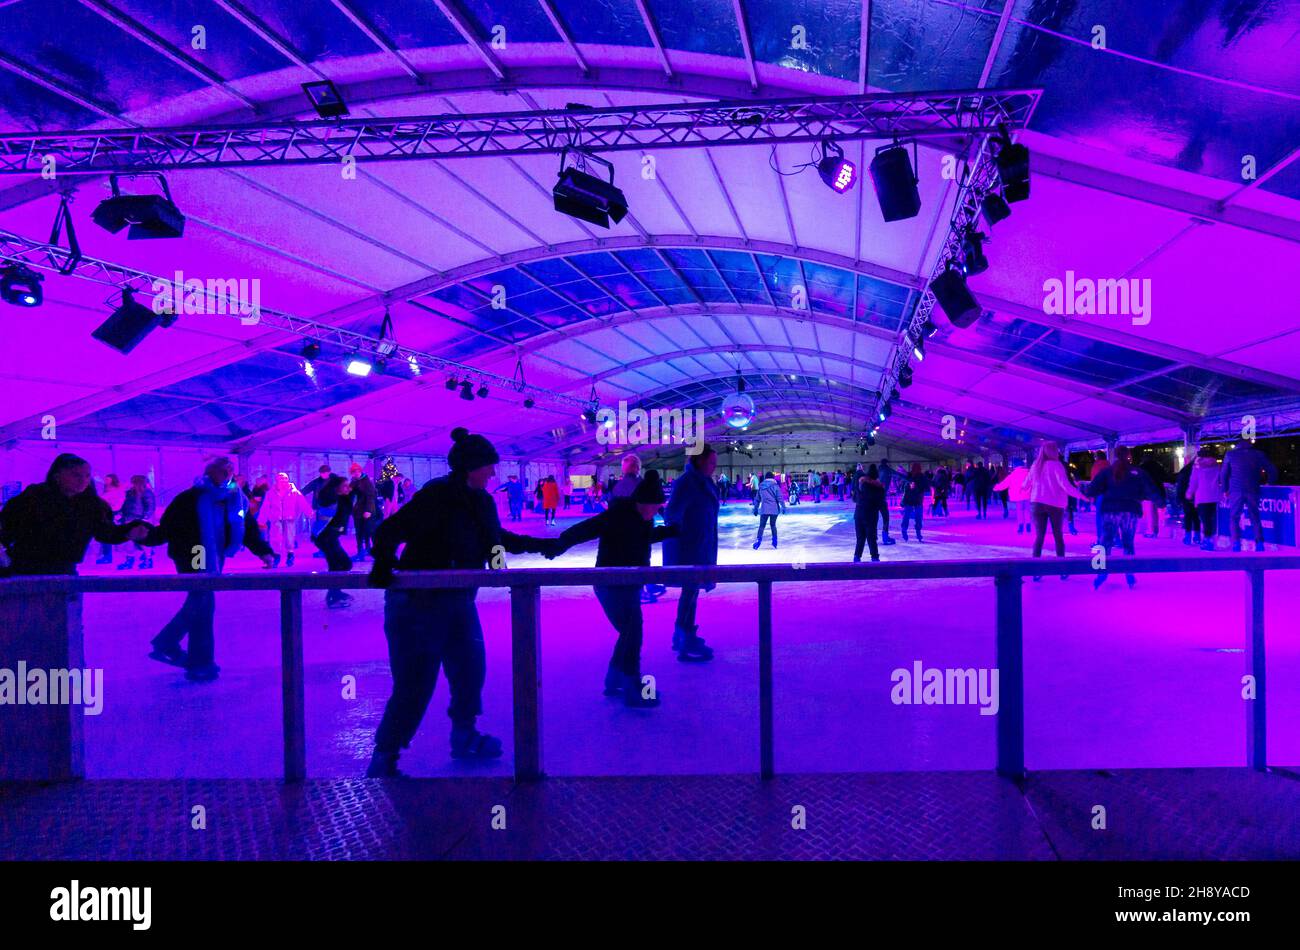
x=738 y=410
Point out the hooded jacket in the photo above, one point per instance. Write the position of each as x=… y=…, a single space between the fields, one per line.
x=1014 y=484
x=211 y=516
x=768 y=499
x=1203 y=486
x=46 y=532
x=1121 y=497
x=446 y=525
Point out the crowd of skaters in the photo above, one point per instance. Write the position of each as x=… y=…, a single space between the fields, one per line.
x=452 y=522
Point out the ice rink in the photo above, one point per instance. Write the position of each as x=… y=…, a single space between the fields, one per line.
x=1115 y=678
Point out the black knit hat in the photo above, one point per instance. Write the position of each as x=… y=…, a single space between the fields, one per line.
x=469 y=452
x=650 y=491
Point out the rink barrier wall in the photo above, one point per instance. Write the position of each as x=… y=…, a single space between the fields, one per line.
x=40 y=622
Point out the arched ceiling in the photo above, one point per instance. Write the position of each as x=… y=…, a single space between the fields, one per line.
x=701 y=279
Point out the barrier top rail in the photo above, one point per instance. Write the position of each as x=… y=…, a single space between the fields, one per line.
x=672 y=576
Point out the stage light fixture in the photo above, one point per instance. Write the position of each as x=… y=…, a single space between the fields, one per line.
x=955 y=300
x=358 y=365
x=589 y=415
x=528 y=403
x=837 y=172
x=974 y=260
x=482 y=392
x=894 y=394
x=149 y=216
x=918 y=349
x=1013 y=169
x=414 y=366
x=467 y=391
x=381 y=366
x=994 y=208
x=129 y=324
x=21 y=286
x=325 y=98
x=451 y=384
x=929 y=328
x=905 y=376
x=309 y=368
x=895 y=183
x=310 y=350
x=586 y=197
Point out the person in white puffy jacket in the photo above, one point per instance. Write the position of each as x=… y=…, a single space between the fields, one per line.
x=1048 y=489
x=1014 y=486
x=281 y=508
x=1203 y=491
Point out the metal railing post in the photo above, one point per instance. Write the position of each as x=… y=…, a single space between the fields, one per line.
x=1256 y=709
x=294 y=690
x=767 y=767
x=1011 y=676
x=526 y=662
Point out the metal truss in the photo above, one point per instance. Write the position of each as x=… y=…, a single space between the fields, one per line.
x=925 y=115
x=14 y=248
x=980 y=179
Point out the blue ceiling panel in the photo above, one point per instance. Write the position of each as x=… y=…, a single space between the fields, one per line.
x=611 y=22
x=916 y=46
x=1089 y=361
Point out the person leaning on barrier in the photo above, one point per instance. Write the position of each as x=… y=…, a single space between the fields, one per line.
x=450 y=524
x=48 y=526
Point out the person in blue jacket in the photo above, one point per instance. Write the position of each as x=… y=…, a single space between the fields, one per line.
x=1245 y=468
x=693 y=510
x=514 y=497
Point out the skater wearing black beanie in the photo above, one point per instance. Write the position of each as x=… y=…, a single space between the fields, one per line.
x=450 y=524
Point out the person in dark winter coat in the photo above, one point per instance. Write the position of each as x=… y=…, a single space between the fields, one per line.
x=915 y=488
x=48 y=526
x=1121 y=488
x=693 y=509
x=1245 y=468
x=980 y=483
x=871 y=501
x=341 y=496
x=203 y=527
x=626 y=531
x=364 y=510
x=450 y=524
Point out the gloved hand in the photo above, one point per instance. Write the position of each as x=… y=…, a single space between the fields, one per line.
x=553 y=548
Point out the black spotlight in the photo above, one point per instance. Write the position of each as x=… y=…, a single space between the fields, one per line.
x=895 y=182
x=21 y=286
x=994 y=208
x=325 y=99
x=918 y=348
x=955 y=299
x=905 y=376
x=482 y=391
x=310 y=350
x=528 y=403
x=1013 y=169
x=451 y=384
x=129 y=324
x=974 y=261
x=837 y=172
x=893 y=393
x=589 y=415
x=467 y=391
x=150 y=216
x=587 y=197
x=929 y=328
